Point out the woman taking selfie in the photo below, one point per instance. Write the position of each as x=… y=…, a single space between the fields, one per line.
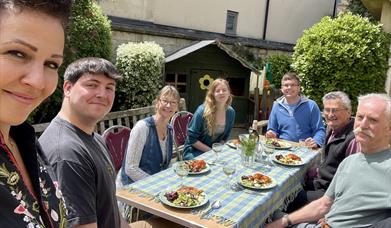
x=31 y=49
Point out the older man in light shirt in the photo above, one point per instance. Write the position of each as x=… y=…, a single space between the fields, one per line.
x=359 y=194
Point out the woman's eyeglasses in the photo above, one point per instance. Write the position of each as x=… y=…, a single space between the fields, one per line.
x=166 y=102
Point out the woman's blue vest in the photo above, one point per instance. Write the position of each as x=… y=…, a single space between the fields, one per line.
x=152 y=157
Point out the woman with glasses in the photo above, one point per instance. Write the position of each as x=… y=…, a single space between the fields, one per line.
x=150 y=143
x=31 y=51
x=212 y=121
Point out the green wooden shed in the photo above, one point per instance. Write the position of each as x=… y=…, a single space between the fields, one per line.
x=191 y=70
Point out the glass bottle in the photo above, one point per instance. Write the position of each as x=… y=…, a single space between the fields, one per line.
x=253 y=131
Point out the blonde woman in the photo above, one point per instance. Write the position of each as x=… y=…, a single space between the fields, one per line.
x=150 y=143
x=212 y=121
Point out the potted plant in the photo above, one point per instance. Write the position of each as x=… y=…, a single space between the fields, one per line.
x=247 y=147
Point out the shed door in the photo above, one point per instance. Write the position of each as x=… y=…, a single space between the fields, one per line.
x=196 y=94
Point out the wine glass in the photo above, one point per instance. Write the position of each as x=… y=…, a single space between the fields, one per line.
x=182 y=170
x=217 y=148
x=268 y=151
x=262 y=157
x=229 y=168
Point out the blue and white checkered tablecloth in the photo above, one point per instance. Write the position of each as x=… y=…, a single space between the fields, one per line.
x=246 y=208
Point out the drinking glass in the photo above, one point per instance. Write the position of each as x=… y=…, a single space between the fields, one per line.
x=268 y=151
x=217 y=148
x=229 y=168
x=182 y=170
x=243 y=137
x=262 y=156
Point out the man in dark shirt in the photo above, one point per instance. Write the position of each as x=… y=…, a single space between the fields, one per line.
x=79 y=157
x=339 y=144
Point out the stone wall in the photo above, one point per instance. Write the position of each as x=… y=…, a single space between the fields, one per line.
x=342 y=7
x=169 y=44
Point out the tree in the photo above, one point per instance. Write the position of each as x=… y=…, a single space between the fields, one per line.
x=357 y=7
x=348 y=53
x=141 y=65
x=280 y=64
x=88 y=34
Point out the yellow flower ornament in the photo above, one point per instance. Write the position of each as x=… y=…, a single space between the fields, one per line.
x=205 y=81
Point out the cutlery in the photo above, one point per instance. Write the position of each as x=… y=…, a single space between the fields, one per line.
x=237 y=187
x=215 y=205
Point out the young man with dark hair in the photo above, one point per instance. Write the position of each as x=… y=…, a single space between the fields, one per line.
x=78 y=155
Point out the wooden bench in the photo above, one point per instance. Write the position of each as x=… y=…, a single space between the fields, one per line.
x=126 y=118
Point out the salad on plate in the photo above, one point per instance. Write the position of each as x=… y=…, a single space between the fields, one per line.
x=197 y=166
x=277 y=144
x=184 y=197
x=288 y=159
x=257 y=181
x=233 y=143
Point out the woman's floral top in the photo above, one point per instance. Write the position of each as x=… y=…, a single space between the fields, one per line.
x=19 y=207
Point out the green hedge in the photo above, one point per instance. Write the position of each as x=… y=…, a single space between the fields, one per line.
x=141 y=65
x=88 y=34
x=279 y=65
x=348 y=53
x=358 y=8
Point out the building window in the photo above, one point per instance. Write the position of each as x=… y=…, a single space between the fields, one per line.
x=237 y=86
x=178 y=80
x=231 y=23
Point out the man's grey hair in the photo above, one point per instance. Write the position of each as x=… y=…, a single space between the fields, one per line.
x=338 y=95
x=378 y=96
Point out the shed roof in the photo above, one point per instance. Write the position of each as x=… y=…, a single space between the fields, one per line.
x=198 y=45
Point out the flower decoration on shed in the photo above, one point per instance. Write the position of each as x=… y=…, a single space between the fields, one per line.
x=205 y=81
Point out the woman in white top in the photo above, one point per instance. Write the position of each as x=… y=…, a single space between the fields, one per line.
x=150 y=143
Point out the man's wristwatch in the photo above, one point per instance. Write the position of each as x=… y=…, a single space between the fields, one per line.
x=288 y=221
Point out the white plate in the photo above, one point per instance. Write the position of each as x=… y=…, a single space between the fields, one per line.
x=207 y=168
x=231 y=144
x=283 y=163
x=269 y=186
x=165 y=201
x=285 y=146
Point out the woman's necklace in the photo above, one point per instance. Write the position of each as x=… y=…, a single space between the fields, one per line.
x=161 y=130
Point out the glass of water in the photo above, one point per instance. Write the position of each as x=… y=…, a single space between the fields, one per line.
x=182 y=170
x=229 y=169
x=268 y=152
x=217 y=148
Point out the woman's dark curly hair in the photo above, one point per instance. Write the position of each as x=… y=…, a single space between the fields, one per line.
x=56 y=8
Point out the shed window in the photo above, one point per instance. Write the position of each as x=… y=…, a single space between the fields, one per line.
x=179 y=80
x=231 y=23
x=237 y=86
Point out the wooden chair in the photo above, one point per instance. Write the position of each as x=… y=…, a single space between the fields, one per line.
x=180 y=122
x=116 y=138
